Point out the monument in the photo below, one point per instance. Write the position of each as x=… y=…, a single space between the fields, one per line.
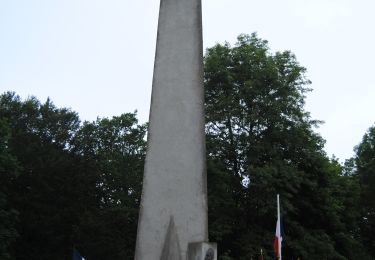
x=173 y=215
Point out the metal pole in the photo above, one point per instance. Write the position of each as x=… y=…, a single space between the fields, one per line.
x=279 y=224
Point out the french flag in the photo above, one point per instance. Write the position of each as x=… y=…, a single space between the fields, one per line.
x=278 y=236
x=77 y=255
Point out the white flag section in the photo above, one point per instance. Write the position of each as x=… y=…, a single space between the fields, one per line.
x=278 y=237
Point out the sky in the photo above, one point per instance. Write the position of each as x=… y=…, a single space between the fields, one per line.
x=96 y=56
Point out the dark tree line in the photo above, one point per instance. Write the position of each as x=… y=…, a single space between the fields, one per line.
x=261 y=142
x=66 y=184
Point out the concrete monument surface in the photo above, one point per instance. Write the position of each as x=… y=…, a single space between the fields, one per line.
x=173 y=212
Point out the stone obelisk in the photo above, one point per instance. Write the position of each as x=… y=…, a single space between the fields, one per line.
x=173 y=211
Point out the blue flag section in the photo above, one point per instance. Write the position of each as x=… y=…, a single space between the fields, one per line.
x=77 y=256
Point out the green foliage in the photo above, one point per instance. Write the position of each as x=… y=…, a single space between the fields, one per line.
x=261 y=142
x=8 y=172
x=365 y=163
x=117 y=148
x=78 y=185
x=46 y=190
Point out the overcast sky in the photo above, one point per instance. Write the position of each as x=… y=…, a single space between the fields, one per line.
x=96 y=56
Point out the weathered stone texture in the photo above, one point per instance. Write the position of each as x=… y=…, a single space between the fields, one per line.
x=174 y=184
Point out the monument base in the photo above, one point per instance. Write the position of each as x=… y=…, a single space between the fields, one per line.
x=202 y=251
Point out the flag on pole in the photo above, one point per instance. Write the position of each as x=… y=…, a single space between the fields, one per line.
x=261 y=254
x=77 y=255
x=278 y=236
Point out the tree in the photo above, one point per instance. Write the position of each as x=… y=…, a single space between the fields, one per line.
x=116 y=149
x=260 y=142
x=365 y=169
x=50 y=180
x=8 y=172
x=78 y=185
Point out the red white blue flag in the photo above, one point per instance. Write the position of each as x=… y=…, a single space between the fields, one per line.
x=278 y=236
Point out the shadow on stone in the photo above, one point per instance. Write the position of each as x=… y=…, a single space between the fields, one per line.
x=171 y=249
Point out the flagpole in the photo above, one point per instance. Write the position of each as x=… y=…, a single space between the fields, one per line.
x=279 y=219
